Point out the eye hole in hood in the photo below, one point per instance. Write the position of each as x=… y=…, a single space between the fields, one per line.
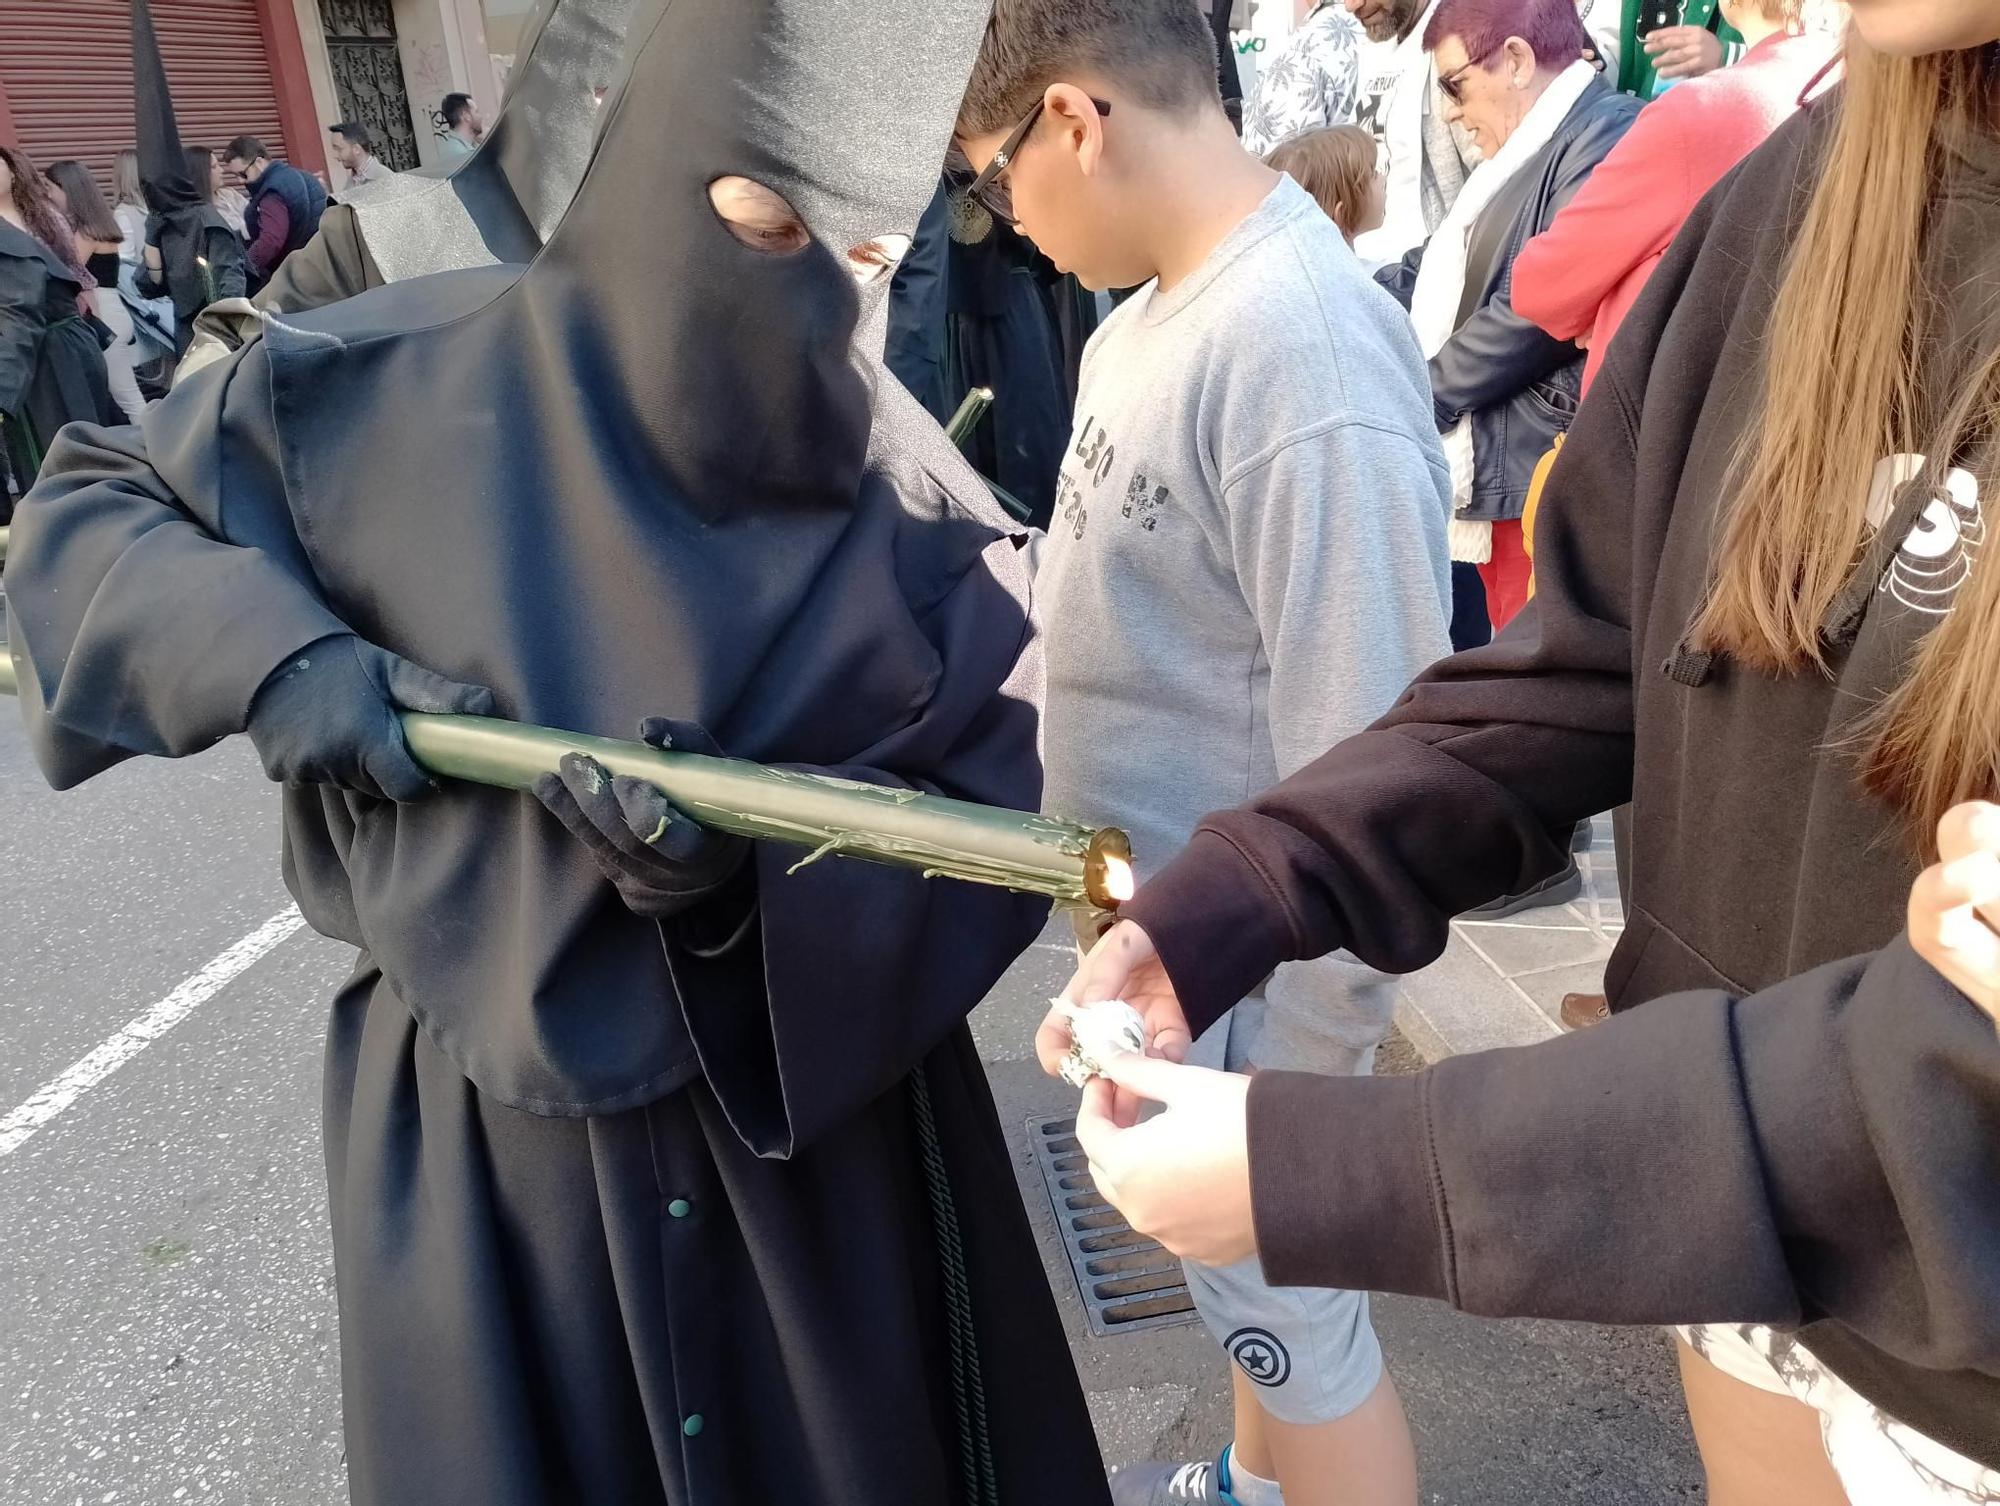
x=761 y=218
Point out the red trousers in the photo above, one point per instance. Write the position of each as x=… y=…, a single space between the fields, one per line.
x=1508 y=575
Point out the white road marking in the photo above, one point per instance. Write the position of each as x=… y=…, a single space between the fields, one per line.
x=56 y=1095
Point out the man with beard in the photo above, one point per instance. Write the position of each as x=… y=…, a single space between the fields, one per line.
x=661 y=1169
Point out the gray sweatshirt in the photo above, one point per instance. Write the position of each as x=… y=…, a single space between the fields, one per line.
x=1247 y=561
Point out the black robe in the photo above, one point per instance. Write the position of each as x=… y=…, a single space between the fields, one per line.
x=201 y=258
x=187 y=238
x=1018 y=326
x=615 y=1221
x=51 y=366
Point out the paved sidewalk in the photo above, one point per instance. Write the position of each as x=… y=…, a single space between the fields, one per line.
x=1501 y=983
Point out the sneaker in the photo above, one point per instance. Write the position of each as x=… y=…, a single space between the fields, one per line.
x=1157 y=1484
x=1559 y=890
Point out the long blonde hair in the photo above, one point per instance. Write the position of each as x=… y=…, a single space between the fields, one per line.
x=1841 y=390
x=125 y=186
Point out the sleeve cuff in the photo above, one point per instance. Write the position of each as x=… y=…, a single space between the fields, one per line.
x=1340 y=1190
x=1217 y=926
x=253 y=647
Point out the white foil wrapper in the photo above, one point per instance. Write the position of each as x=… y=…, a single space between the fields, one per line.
x=1098 y=1032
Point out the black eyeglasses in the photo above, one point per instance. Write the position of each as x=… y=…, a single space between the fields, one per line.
x=1452 y=85
x=987 y=188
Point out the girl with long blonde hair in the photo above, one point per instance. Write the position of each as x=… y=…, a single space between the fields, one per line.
x=128 y=205
x=1769 y=615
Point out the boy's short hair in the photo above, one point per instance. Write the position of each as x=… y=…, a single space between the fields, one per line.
x=244 y=149
x=1160 y=52
x=455 y=108
x=355 y=134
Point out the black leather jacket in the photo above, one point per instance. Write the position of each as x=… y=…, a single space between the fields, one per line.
x=1520 y=385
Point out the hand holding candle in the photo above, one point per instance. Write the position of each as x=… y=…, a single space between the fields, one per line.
x=1123 y=966
x=826 y=816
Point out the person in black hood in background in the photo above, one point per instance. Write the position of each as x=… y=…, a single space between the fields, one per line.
x=659 y=1171
x=1002 y=333
x=500 y=204
x=977 y=305
x=192 y=256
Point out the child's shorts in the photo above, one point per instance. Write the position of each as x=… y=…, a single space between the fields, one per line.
x=1310 y=1352
x=1880 y=1461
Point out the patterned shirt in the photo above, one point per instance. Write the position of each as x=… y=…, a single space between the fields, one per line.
x=1312 y=80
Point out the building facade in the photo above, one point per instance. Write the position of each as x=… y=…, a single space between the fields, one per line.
x=282 y=70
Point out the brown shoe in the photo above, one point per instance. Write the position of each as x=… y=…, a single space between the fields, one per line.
x=1581 y=1010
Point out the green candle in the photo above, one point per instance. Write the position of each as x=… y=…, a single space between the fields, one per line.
x=966 y=419
x=983 y=844
x=945 y=838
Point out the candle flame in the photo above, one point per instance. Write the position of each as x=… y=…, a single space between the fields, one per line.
x=201 y=261
x=1119 y=884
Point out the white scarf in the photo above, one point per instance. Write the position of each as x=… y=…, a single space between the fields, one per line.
x=1441 y=281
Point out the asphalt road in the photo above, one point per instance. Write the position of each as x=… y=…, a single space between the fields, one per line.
x=167 y=1325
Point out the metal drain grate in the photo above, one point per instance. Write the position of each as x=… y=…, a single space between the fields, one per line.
x=1127 y=1281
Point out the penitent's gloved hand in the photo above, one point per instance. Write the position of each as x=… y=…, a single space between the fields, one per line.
x=660 y=862
x=327 y=715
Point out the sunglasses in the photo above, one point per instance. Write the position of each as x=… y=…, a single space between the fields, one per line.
x=1452 y=85
x=988 y=189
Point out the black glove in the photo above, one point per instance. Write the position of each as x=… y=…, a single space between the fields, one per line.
x=327 y=715
x=660 y=862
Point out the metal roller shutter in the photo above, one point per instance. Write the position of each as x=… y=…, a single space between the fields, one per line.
x=66 y=66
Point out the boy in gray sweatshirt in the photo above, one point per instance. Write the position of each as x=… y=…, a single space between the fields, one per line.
x=1247 y=563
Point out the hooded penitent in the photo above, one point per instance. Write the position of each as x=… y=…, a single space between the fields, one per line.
x=617 y=1219
x=609 y=495
x=163 y=171
x=199 y=254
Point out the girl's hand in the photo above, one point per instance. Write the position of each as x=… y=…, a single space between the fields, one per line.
x=1123 y=965
x=1182 y=1176
x=1955 y=905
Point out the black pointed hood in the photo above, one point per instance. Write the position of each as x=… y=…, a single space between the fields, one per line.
x=541 y=142
x=163 y=172
x=828 y=102
x=823 y=102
